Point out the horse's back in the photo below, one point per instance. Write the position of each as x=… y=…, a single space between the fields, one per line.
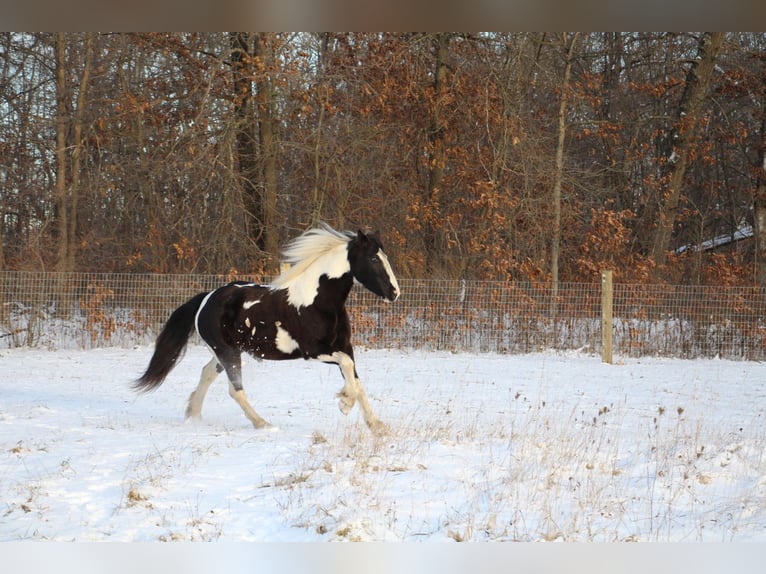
x=222 y=307
x=227 y=298
x=250 y=318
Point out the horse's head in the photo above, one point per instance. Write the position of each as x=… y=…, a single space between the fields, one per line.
x=370 y=266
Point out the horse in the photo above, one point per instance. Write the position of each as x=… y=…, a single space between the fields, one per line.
x=301 y=314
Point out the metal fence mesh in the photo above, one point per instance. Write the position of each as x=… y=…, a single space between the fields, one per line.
x=85 y=310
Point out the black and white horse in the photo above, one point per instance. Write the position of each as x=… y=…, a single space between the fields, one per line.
x=302 y=314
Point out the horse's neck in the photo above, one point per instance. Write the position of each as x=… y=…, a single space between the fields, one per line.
x=304 y=280
x=332 y=293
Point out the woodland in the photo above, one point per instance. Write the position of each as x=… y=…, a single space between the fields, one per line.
x=540 y=157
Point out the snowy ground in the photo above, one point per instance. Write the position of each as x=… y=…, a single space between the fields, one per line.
x=481 y=447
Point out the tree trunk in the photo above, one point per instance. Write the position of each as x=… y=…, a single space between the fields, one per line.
x=62 y=115
x=682 y=140
x=759 y=203
x=265 y=101
x=569 y=44
x=246 y=142
x=436 y=155
x=77 y=153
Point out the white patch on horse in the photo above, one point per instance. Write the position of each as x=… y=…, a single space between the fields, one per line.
x=247 y=322
x=387 y=266
x=247 y=304
x=201 y=306
x=284 y=341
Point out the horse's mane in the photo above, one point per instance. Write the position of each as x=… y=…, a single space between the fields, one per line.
x=305 y=250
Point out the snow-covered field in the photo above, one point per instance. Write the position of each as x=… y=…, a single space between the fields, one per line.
x=481 y=447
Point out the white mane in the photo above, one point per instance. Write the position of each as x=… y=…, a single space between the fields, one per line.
x=319 y=251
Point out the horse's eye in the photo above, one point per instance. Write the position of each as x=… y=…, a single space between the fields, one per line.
x=374 y=258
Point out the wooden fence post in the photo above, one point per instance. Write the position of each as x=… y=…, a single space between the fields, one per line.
x=606 y=316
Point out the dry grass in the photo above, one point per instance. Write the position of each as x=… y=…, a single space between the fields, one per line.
x=535 y=473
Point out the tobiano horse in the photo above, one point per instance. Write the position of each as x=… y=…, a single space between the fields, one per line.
x=301 y=315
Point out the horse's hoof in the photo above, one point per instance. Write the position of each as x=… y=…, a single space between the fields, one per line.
x=345 y=404
x=378 y=428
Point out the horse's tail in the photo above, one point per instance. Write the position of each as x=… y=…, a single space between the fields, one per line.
x=170 y=344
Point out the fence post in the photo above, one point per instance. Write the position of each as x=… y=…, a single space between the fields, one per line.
x=606 y=316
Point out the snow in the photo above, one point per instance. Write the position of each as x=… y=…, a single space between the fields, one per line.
x=481 y=447
x=743 y=232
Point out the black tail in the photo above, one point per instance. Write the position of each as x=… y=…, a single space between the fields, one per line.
x=170 y=344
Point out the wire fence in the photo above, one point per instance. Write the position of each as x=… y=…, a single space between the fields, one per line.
x=85 y=310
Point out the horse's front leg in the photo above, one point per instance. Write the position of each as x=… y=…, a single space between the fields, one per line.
x=353 y=390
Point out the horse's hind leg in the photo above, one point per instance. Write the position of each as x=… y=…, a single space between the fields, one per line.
x=209 y=373
x=239 y=396
x=232 y=362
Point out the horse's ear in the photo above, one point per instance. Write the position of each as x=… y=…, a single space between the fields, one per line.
x=360 y=235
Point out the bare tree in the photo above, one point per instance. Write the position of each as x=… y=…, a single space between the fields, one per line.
x=70 y=122
x=682 y=138
x=437 y=158
x=62 y=119
x=568 y=44
x=242 y=57
x=759 y=203
x=268 y=140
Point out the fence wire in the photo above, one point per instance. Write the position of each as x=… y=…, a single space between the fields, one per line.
x=86 y=310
